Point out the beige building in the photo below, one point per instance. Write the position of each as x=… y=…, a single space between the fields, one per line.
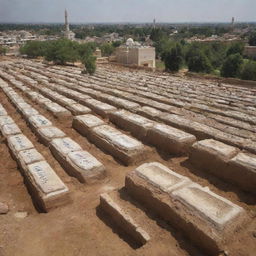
x=132 y=53
x=250 y=51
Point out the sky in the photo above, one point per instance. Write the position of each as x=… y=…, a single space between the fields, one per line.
x=98 y=11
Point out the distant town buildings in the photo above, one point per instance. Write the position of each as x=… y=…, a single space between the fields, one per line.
x=132 y=53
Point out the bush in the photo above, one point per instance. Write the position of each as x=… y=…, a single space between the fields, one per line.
x=62 y=51
x=199 y=62
x=173 y=59
x=3 y=50
x=232 y=66
x=107 y=49
x=235 y=48
x=249 y=71
x=89 y=62
x=33 y=49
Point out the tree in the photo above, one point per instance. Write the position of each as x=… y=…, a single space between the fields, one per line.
x=3 y=50
x=249 y=71
x=33 y=49
x=199 y=62
x=236 y=48
x=252 y=39
x=232 y=66
x=107 y=49
x=62 y=51
x=173 y=59
x=89 y=62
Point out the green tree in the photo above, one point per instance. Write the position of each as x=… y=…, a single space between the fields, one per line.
x=232 y=66
x=249 y=71
x=235 y=48
x=3 y=50
x=252 y=39
x=107 y=49
x=199 y=62
x=62 y=51
x=89 y=62
x=173 y=59
x=33 y=49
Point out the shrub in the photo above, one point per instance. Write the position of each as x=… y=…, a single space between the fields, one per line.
x=199 y=62
x=33 y=49
x=89 y=62
x=173 y=59
x=232 y=66
x=249 y=71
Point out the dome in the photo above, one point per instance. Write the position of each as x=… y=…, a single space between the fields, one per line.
x=129 y=42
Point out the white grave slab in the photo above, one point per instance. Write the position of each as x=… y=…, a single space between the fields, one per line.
x=45 y=178
x=161 y=176
x=18 y=143
x=207 y=204
x=10 y=129
x=39 y=121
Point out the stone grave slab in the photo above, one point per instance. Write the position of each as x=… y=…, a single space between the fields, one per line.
x=47 y=134
x=169 y=139
x=242 y=169
x=161 y=176
x=136 y=124
x=39 y=121
x=18 y=143
x=84 y=166
x=47 y=188
x=10 y=129
x=119 y=145
x=5 y=120
x=84 y=123
x=60 y=147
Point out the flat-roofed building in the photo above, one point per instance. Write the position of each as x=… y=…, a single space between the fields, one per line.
x=132 y=53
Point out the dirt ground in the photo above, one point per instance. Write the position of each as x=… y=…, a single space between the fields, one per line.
x=79 y=228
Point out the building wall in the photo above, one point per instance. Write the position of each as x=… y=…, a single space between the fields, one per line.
x=139 y=56
x=250 y=51
x=147 y=57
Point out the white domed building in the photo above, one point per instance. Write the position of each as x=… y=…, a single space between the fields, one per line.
x=134 y=54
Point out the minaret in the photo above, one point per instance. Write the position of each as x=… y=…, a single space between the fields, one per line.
x=154 y=24
x=66 y=21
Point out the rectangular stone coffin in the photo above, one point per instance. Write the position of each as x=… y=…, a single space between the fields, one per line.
x=100 y=108
x=2 y=111
x=39 y=121
x=170 y=139
x=10 y=129
x=128 y=150
x=47 y=134
x=47 y=189
x=242 y=169
x=18 y=143
x=84 y=123
x=78 y=109
x=133 y=123
x=213 y=156
x=85 y=167
x=61 y=147
x=207 y=219
x=57 y=110
x=28 y=156
x=123 y=220
x=5 y=120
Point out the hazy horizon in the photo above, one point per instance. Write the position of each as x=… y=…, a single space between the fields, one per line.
x=130 y=11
